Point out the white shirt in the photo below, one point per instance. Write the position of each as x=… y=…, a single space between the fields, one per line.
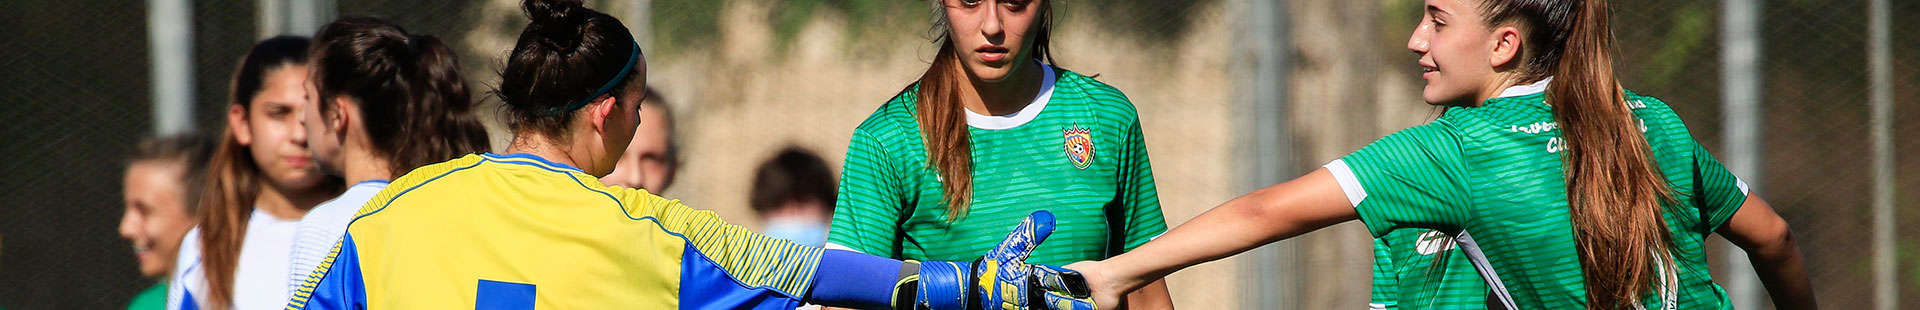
x=259 y=280
x=322 y=227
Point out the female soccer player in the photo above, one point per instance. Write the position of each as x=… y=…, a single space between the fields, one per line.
x=536 y=227
x=160 y=194
x=384 y=102
x=1580 y=194
x=261 y=180
x=989 y=129
x=653 y=159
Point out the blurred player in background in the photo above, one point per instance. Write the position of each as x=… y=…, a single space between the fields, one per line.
x=535 y=228
x=160 y=191
x=793 y=193
x=383 y=103
x=654 y=156
x=262 y=179
x=1580 y=194
x=991 y=131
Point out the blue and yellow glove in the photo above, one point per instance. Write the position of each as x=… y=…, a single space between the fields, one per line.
x=1000 y=280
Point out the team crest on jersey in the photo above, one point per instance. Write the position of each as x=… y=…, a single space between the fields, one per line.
x=1079 y=145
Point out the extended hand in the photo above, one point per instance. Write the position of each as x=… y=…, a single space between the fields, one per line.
x=1107 y=291
x=1002 y=279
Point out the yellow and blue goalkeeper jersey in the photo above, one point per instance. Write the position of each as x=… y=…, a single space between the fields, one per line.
x=519 y=232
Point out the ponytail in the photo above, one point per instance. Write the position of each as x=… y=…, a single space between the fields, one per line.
x=414 y=104
x=1615 y=193
x=949 y=145
x=943 y=122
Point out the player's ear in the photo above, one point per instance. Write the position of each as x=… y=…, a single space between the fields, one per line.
x=237 y=123
x=336 y=120
x=1506 y=46
x=599 y=111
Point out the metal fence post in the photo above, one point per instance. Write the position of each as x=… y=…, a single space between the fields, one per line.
x=1270 y=280
x=170 y=33
x=1740 y=81
x=303 y=18
x=1880 y=90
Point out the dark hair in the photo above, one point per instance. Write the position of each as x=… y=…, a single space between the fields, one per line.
x=191 y=150
x=944 y=122
x=794 y=174
x=233 y=180
x=1614 y=191
x=416 y=107
x=564 y=57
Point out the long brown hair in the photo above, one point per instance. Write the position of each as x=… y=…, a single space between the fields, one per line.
x=416 y=107
x=233 y=179
x=943 y=122
x=1614 y=190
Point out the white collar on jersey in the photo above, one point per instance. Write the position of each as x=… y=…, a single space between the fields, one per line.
x=1523 y=90
x=1026 y=114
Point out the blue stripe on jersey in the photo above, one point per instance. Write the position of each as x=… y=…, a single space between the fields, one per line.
x=188 y=303
x=704 y=285
x=389 y=202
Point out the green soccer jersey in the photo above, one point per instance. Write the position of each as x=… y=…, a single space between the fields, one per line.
x=1076 y=151
x=1422 y=269
x=1496 y=170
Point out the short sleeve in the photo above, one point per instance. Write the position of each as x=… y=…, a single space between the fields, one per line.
x=867 y=210
x=1717 y=192
x=1412 y=178
x=1139 y=197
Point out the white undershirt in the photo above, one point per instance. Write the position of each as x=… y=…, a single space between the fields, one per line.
x=259 y=280
x=1026 y=114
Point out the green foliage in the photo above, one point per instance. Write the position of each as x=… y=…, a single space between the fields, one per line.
x=1691 y=28
x=680 y=26
x=865 y=19
x=692 y=25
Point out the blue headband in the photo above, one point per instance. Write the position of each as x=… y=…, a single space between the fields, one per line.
x=632 y=58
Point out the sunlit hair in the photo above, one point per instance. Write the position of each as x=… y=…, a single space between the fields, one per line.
x=1615 y=192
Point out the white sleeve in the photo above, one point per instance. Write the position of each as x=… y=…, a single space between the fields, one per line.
x=186 y=270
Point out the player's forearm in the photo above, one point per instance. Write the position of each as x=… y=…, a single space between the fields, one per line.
x=1154 y=296
x=1270 y=214
x=854 y=280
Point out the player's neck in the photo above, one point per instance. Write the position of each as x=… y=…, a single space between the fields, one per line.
x=282 y=206
x=543 y=147
x=1003 y=97
x=361 y=165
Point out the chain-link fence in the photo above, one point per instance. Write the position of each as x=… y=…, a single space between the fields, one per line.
x=747 y=77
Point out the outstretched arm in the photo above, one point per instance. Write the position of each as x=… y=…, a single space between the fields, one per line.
x=1769 y=245
x=1001 y=279
x=1270 y=214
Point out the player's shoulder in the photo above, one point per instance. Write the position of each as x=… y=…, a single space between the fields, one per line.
x=1638 y=100
x=409 y=184
x=1072 y=86
x=894 y=119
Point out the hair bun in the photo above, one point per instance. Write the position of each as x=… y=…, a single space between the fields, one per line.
x=558 y=21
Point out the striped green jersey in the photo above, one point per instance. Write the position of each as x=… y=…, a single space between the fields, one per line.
x=1076 y=151
x=1496 y=170
x=1420 y=269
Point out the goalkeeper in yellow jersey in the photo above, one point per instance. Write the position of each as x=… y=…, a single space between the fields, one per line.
x=535 y=228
